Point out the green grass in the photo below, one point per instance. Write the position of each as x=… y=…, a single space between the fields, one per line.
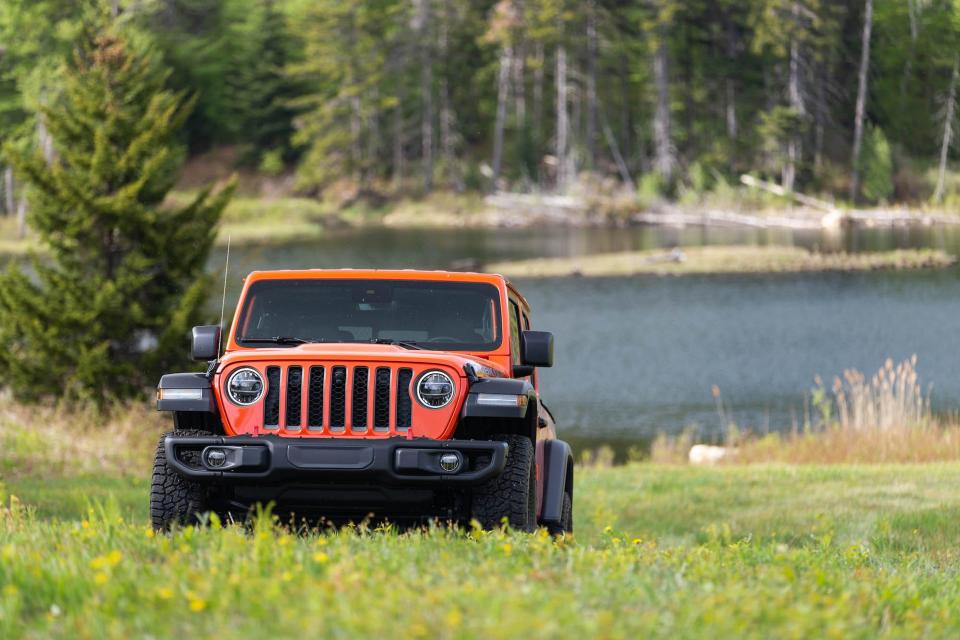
x=721 y=259
x=660 y=551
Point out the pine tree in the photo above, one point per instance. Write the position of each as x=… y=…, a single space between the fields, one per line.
x=109 y=305
x=261 y=90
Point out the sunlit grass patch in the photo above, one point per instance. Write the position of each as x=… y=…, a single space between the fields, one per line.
x=41 y=441
x=720 y=260
x=105 y=576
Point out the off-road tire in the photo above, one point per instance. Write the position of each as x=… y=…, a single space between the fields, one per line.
x=173 y=498
x=566 y=518
x=512 y=494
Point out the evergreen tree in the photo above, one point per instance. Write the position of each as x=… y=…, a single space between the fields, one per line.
x=262 y=91
x=108 y=308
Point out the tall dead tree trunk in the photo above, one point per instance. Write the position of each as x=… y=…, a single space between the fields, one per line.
x=591 y=84
x=538 y=74
x=518 y=69
x=626 y=113
x=398 y=144
x=503 y=89
x=949 y=116
x=617 y=156
x=356 y=148
x=421 y=10
x=22 y=215
x=730 y=110
x=563 y=124
x=789 y=173
x=664 y=153
x=795 y=99
x=538 y=106
x=448 y=134
x=9 y=203
x=820 y=117
x=861 y=108
x=913 y=14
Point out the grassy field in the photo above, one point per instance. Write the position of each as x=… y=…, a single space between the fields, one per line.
x=660 y=551
x=720 y=259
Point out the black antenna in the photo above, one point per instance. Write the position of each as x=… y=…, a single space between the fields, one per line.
x=223 y=301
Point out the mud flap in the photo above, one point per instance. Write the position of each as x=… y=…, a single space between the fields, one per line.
x=555 y=472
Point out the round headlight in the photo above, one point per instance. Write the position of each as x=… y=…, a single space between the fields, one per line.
x=435 y=389
x=245 y=386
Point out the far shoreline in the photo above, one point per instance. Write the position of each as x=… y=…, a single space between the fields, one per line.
x=722 y=260
x=263 y=221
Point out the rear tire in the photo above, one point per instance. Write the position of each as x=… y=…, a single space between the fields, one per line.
x=512 y=494
x=173 y=498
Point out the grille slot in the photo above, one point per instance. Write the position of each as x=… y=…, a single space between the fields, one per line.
x=315 y=399
x=338 y=399
x=404 y=405
x=294 y=397
x=271 y=405
x=381 y=400
x=358 y=406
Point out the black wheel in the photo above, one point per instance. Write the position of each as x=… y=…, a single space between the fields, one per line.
x=566 y=518
x=511 y=495
x=174 y=499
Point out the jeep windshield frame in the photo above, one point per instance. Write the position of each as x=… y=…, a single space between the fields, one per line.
x=427 y=314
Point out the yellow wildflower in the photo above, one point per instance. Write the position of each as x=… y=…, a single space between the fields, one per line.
x=453 y=618
x=321 y=557
x=100 y=578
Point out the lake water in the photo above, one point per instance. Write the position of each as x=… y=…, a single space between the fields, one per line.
x=640 y=355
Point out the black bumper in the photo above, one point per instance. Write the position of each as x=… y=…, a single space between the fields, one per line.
x=392 y=461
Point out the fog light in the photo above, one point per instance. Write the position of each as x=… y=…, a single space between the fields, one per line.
x=450 y=462
x=215 y=457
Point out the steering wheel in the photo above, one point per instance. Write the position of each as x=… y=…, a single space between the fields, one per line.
x=443 y=339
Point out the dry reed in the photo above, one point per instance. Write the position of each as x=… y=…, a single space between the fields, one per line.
x=886 y=418
x=58 y=441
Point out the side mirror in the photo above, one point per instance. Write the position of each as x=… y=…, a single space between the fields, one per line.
x=206 y=343
x=536 y=348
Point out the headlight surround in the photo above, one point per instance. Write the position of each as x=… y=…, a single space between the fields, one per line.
x=435 y=389
x=245 y=386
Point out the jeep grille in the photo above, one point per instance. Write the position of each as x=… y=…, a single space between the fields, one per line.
x=325 y=393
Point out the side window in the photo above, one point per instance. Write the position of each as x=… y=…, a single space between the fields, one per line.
x=514 y=332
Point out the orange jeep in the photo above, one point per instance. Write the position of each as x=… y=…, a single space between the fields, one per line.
x=341 y=394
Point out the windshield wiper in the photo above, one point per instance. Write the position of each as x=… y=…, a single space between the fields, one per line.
x=277 y=340
x=399 y=343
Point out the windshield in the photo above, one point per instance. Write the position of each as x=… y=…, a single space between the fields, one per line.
x=462 y=316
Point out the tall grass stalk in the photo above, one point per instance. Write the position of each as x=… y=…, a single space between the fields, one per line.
x=884 y=418
x=891 y=399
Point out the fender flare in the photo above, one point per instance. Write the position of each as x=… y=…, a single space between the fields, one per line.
x=557 y=479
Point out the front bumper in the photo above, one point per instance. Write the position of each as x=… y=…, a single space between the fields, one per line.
x=391 y=461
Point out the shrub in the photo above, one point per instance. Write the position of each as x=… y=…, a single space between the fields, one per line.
x=877 y=167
